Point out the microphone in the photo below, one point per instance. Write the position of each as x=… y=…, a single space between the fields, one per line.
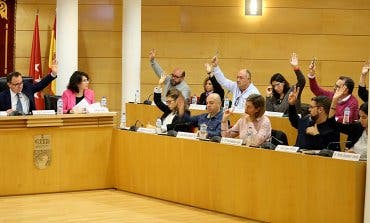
x=16 y=113
x=336 y=144
x=135 y=127
x=183 y=127
x=172 y=133
x=277 y=140
x=147 y=101
x=216 y=139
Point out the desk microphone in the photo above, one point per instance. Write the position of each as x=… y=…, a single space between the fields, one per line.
x=276 y=139
x=147 y=101
x=135 y=127
x=337 y=147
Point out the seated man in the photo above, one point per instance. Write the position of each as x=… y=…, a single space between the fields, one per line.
x=20 y=95
x=317 y=130
x=212 y=119
x=346 y=100
x=176 y=80
x=241 y=88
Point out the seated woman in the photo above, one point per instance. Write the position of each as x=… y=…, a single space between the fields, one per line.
x=175 y=112
x=277 y=94
x=356 y=131
x=77 y=92
x=254 y=120
x=210 y=85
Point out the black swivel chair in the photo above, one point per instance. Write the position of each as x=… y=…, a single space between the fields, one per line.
x=278 y=137
x=51 y=102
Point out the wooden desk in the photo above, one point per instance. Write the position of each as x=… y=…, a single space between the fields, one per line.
x=149 y=113
x=80 y=153
x=259 y=184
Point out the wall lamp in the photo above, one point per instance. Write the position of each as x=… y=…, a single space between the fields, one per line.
x=253 y=7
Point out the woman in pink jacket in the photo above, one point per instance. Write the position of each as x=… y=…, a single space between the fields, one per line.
x=77 y=90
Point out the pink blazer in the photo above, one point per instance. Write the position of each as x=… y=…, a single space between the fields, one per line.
x=69 y=99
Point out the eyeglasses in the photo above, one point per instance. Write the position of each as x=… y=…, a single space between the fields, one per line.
x=169 y=101
x=176 y=77
x=17 y=84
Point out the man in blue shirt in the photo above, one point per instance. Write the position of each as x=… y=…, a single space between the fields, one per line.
x=212 y=119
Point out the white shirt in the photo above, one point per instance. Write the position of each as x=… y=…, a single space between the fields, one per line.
x=360 y=146
x=239 y=97
x=24 y=101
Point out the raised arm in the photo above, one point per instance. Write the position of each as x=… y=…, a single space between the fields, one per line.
x=293 y=116
x=154 y=64
x=220 y=77
x=338 y=93
x=363 y=93
x=315 y=88
x=216 y=86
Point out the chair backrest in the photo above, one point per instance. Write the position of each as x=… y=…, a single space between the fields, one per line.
x=277 y=136
x=4 y=83
x=51 y=101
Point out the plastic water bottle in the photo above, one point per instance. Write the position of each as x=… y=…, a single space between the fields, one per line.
x=60 y=106
x=123 y=120
x=347 y=112
x=226 y=104
x=194 y=99
x=203 y=131
x=137 y=97
x=103 y=102
x=158 y=126
x=249 y=136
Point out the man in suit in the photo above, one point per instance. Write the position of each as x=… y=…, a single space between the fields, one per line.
x=20 y=95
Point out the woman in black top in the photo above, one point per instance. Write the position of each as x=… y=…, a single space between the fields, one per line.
x=210 y=85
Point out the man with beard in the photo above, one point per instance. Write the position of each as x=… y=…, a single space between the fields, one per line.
x=316 y=130
x=174 y=80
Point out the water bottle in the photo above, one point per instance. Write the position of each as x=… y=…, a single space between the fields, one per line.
x=60 y=106
x=158 y=126
x=249 y=136
x=203 y=131
x=226 y=104
x=123 y=120
x=103 y=102
x=194 y=99
x=137 y=97
x=347 y=112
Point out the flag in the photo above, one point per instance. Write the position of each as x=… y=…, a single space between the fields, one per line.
x=35 y=70
x=52 y=53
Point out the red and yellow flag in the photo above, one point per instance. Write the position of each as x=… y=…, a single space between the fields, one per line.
x=35 y=70
x=52 y=54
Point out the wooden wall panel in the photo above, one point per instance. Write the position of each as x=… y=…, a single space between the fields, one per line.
x=99 y=44
x=100 y=17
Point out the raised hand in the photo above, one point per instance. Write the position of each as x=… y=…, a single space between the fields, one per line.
x=162 y=79
x=54 y=67
x=208 y=67
x=312 y=68
x=152 y=54
x=366 y=68
x=214 y=61
x=292 y=98
x=227 y=114
x=294 y=60
x=339 y=92
x=312 y=130
x=269 y=91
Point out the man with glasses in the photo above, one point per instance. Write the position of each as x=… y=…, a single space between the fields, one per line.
x=174 y=80
x=315 y=131
x=241 y=88
x=19 y=97
x=346 y=100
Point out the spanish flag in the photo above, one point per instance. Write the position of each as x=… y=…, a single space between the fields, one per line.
x=52 y=54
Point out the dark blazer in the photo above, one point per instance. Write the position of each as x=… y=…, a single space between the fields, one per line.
x=28 y=89
x=216 y=89
x=178 y=123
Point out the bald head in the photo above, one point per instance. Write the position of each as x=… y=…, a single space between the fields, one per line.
x=213 y=104
x=243 y=79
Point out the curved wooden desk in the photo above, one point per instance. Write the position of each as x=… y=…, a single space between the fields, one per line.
x=259 y=184
x=149 y=113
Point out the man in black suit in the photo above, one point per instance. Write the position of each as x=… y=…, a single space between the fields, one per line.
x=20 y=95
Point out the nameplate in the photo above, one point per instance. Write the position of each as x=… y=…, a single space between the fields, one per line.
x=97 y=110
x=43 y=112
x=346 y=156
x=274 y=114
x=146 y=130
x=197 y=107
x=3 y=113
x=288 y=149
x=238 y=110
x=231 y=141
x=186 y=135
